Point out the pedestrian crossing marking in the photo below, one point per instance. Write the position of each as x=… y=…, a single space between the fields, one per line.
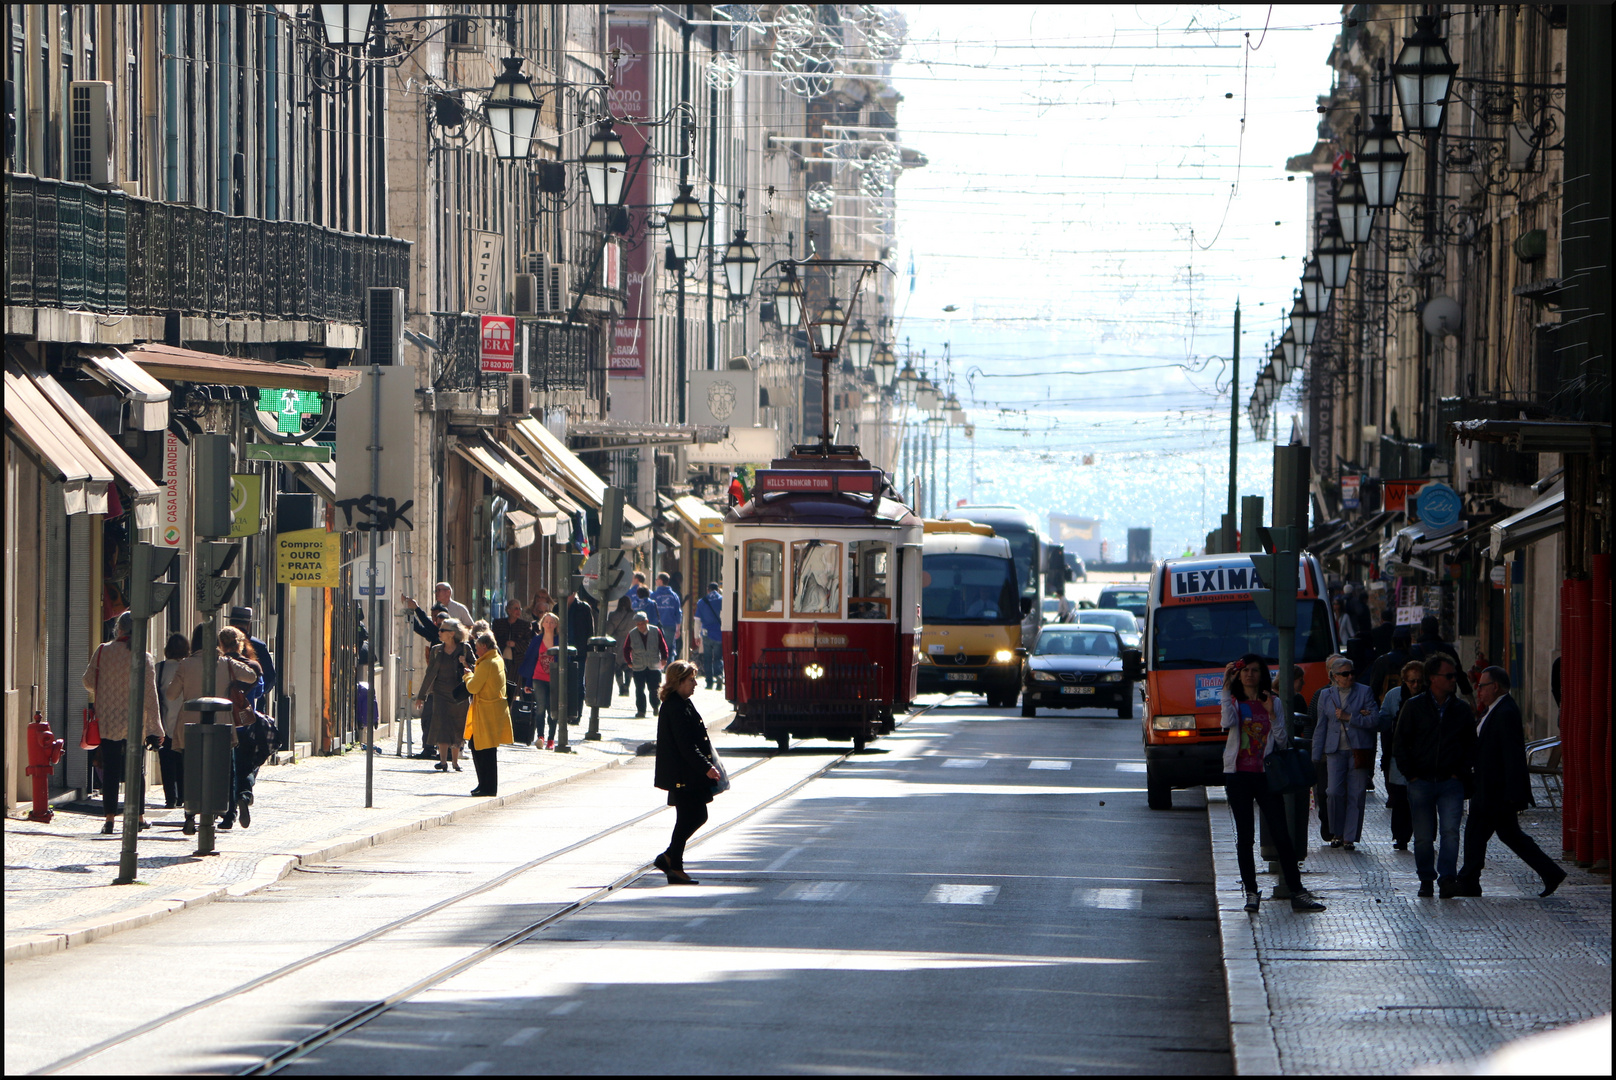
x=1130 y=766
x=965 y=763
x=963 y=894
x=522 y=1036
x=1042 y=763
x=1108 y=899
x=815 y=890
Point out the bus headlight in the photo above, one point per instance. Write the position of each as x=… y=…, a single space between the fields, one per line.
x=1003 y=656
x=1045 y=676
x=1111 y=677
x=1172 y=723
x=814 y=671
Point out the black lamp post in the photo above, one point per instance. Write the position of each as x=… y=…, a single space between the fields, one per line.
x=605 y=164
x=1422 y=75
x=513 y=112
x=1380 y=163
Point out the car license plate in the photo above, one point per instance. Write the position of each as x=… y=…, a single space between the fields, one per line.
x=1077 y=689
x=960 y=676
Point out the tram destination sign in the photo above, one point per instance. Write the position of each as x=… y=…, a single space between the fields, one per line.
x=863 y=481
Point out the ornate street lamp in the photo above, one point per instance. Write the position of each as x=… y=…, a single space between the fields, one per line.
x=686 y=224
x=1303 y=321
x=935 y=425
x=1280 y=361
x=826 y=329
x=513 y=112
x=740 y=266
x=1333 y=258
x=346 y=25
x=1422 y=74
x=788 y=299
x=1380 y=163
x=1295 y=353
x=1314 y=292
x=885 y=365
x=1357 y=216
x=908 y=382
x=860 y=345
x=927 y=399
x=951 y=406
x=606 y=166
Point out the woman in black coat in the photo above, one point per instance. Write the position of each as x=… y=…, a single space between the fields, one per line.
x=684 y=765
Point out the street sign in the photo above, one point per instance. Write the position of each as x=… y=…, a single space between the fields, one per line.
x=607 y=575
x=1439 y=508
x=288 y=452
x=372 y=580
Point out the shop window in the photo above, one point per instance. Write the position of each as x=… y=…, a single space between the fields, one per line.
x=867 y=590
x=816 y=577
x=765 y=578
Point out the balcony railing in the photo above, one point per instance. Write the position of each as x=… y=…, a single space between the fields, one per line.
x=88 y=249
x=558 y=356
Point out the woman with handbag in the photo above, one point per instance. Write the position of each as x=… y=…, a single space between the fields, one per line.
x=443 y=682
x=488 y=723
x=107 y=680
x=1249 y=716
x=1345 y=741
x=535 y=675
x=686 y=767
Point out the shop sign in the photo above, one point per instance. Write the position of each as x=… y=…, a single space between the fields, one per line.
x=1439 y=507
x=487 y=251
x=246 y=504
x=1410 y=616
x=1349 y=490
x=173 y=523
x=308 y=557
x=496 y=351
x=1396 y=493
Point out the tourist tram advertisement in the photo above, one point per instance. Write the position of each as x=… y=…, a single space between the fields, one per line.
x=822 y=571
x=1200 y=617
x=970 y=637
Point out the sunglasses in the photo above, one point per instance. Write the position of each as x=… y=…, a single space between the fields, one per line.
x=1348 y=672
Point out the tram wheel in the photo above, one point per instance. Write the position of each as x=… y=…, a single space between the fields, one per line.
x=782 y=741
x=860 y=741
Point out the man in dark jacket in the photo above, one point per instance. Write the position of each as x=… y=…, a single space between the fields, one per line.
x=1430 y=644
x=1435 y=750
x=1502 y=788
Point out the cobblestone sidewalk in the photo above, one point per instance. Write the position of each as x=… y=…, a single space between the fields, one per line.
x=58 y=890
x=1386 y=982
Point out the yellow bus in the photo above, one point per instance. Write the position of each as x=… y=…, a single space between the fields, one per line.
x=970 y=637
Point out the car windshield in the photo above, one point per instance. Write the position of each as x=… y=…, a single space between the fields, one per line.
x=1077 y=643
x=1130 y=600
x=969 y=589
x=1119 y=620
x=1210 y=635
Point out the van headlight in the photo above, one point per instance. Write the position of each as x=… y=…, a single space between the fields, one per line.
x=1003 y=656
x=1172 y=723
x=1045 y=676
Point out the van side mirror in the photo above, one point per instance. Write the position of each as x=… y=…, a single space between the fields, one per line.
x=1026 y=605
x=1133 y=664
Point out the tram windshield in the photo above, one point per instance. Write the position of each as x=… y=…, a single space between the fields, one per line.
x=969 y=589
x=816 y=577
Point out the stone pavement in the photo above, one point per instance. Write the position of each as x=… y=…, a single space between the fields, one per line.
x=1386 y=982
x=58 y=890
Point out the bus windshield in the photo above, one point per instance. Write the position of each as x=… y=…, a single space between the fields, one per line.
x=1024 y=550
x=1211 y=635
x=963 y=589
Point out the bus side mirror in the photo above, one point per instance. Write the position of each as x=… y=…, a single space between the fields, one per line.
x=1133 y=664
x=1026 y=606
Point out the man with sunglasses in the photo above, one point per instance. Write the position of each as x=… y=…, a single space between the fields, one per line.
x=1503 y=788
x=1435 y=749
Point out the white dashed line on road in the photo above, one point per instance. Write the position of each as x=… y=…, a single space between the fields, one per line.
x=522 y=1036
x=814 y=890
x=1109 y=899
x=569 y=1006
x=1048 y=763
x=1130 y=766
x=965 y=763
x=782 y=860
x=963 y=894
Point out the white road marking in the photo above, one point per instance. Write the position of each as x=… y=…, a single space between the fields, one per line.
x=1130 y=766
x=814 y=890
x=964 y=763
x=1048 y=764
x=1109 y=899
x=697 y=922
x=963 y=894
x=568 y=1006
x=782 y=860
x=522 y=1036
x=476 y=1068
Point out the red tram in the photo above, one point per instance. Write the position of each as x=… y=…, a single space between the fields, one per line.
x=822 y=611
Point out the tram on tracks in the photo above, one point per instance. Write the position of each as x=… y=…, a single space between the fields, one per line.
x=822 y=579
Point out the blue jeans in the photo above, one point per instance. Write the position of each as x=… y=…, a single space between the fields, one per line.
x=712 y=660
x=1346 y=795
x=1436 y=807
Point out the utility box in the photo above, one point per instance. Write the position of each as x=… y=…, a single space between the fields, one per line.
x=598 y=672
x=207 y=768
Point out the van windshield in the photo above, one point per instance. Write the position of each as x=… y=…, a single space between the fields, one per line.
x=969 y=589
x=1211 y=635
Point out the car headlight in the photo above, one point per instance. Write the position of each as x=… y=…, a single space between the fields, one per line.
x=1172 y=723
x=1111 y=677
x=924 y=659
x=1044 y=676
x=1003 y=656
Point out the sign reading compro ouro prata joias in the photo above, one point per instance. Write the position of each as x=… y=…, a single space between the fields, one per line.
x=497 y=344
x=1220 y=581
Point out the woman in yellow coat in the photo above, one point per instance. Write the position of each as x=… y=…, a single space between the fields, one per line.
x=488 y=720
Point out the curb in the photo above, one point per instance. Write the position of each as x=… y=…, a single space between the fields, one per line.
x=1251 y=1021
x=274 y=866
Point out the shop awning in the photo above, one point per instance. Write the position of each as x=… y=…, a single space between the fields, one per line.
x=1538 y=436
x=144 y=491
x=1542 y=519
x=320 y=477
x=624 y=435
x=189 y=365
x=1453 y=541
x=112 y=368
x=36 y=426
x=549 y=486
x=521 y=528
x=488 y=459
x=579 y=479
x=702 y=521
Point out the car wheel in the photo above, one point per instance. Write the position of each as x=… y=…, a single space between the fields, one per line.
x=1158 y=794
x=1028 y=709
x=1125 y=712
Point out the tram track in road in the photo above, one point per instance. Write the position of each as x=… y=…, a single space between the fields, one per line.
x=358 y=1017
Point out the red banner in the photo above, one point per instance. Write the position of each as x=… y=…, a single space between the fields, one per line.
x=1395 y=493
x=630 y=99
x=497 y=351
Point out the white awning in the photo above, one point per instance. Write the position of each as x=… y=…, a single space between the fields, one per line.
x=1537 y=522
x=549 y=452
x=144 y=491
x=112 y=368
x=487 y=459
x=319 y=477
x=58 y=450
x=521 y=528
x=705 y=524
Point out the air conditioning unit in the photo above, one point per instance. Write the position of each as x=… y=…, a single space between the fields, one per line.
x=384 y=326
x=528 y=296
x=558 y=294
x=90 y=145
x=519 y=401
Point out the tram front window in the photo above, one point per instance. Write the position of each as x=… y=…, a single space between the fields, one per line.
x=816 y=577
x=969 y=589
x=867 y=596
x=765 y=577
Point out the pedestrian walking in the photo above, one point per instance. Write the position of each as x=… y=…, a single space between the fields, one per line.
x=645 y=651
x=1436 y=748
x=669 y=612
x=512 y=632
x=542 y=602
x=106 y=678
x=443 y=592
x=618 y=624
x=443 y=687
x=242 y=618
x=187 y=686
x=170 y=762
x=535 y=671
x=488 y=721
x=708 y=611
x=1249 y=708
x=1503 y=788
x=1413 y=676
x=1430 y=644
x=1310 y=731
x=247 y=750
x=580 y=628
x=686 y=766
x=1344 y=741
x=1385 y=674
x=423 y=624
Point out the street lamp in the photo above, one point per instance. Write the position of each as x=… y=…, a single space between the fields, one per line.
x=861 y=345
x=1303 y=321
x=740 y=266
x=1295 y=353
x=788 y=299
x=908 y=382
x=606 y=166
x=1422 y=75
x=513 y=112
x=885 y=365
x=951 y=406
x=1357 y=216
x=686 y=223
x=1314 y=291
x=1279 y=359
x=1333 y=258
x=825 y=330
x=346 y=25
x=1380 y=163
x=926 y=396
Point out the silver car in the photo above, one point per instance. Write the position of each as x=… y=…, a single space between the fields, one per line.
x=1125 y=623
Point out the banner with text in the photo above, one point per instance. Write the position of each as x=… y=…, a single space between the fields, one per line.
x=630 y=99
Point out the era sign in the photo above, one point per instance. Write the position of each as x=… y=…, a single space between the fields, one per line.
x=497 y=348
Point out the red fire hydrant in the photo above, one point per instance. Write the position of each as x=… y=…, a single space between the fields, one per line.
x=44 y=753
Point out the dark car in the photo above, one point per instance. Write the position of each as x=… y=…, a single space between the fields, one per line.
x=1129 y=596
x=1076 y=666
x=1075 y=567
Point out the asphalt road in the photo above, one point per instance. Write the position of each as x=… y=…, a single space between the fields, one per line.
x=976 y=893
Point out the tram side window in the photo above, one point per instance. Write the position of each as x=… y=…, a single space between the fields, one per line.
x=816 y=577
x=765 y=577
x=867 y=593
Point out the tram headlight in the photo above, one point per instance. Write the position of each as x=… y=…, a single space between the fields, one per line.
x=1045 y=676
x=1003 y=656
x=814 y=671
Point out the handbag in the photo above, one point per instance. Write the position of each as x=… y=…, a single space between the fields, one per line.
x=1363 y=758
x=720 y=785
x=91 y=738
x=1288 y=771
